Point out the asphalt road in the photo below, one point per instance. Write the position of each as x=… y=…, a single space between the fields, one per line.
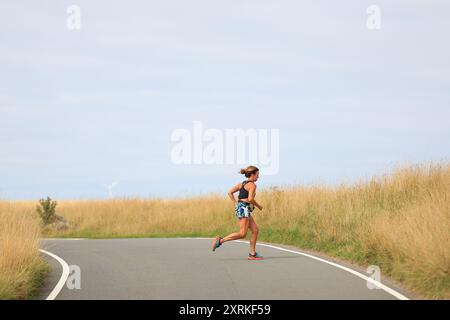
x=177 y=268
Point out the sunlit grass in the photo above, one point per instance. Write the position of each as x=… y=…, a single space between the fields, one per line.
x=21 y=267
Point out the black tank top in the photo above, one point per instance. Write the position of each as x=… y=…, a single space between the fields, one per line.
x=243 y=194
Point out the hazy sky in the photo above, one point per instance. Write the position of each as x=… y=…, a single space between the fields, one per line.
x=84 y=108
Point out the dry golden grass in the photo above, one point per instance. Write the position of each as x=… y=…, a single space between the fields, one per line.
x=21 y=266
x=399 y=221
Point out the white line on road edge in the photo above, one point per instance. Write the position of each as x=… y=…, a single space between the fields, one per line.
x=376 y=283
x=64 y=276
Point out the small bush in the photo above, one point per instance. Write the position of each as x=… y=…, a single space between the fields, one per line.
x=46 y=210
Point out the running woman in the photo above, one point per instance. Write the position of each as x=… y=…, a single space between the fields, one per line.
x=243 y=209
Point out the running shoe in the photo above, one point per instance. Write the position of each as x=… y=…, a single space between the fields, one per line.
x=255 y=256
x=216 y=243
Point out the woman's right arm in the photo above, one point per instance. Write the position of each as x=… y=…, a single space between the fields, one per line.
x=233 y=191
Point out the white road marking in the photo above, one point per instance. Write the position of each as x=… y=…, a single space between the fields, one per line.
x=64 y=275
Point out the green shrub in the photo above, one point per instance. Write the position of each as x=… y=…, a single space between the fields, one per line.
x=46 y=210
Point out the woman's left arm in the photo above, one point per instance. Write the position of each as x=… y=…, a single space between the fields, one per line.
x=251 y=196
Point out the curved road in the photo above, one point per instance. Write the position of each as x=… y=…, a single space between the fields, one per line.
x=186 y=268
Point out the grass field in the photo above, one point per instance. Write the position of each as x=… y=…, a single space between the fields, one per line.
x=399 y=221
x=22 y=269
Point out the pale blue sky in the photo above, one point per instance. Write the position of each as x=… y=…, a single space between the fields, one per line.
x=80 y=109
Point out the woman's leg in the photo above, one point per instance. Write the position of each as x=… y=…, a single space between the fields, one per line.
x=243 y=227
x=254 y=229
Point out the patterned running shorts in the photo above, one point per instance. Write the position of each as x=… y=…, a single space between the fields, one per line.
x=243 y=209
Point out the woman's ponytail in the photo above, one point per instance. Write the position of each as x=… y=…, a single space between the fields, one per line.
x=249 y=171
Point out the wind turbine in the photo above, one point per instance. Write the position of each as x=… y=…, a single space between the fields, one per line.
x=110 y=187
